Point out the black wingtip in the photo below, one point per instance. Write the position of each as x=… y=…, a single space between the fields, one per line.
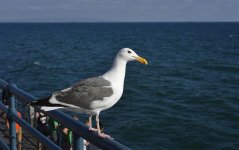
x=40 y=102
x=44 y=102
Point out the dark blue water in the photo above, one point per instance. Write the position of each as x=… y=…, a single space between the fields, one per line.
x=187 y=98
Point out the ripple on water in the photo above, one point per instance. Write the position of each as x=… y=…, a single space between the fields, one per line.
x=186 y=98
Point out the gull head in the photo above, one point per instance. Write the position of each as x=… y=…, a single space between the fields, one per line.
x=128 y=54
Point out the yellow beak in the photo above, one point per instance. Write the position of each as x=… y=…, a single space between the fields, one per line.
x=141 y=60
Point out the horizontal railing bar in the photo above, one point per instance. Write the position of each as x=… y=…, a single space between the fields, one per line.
x=3 y=83
x=31 y=130
x=3 y=108
x=77 y=127
x=3 y=145
x=83 y=131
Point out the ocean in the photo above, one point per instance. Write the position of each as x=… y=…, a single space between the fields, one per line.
x=186 y=98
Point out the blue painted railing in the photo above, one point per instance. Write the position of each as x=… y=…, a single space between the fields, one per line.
x=78 y=128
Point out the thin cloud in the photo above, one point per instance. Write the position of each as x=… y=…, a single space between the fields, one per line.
x=114 y=10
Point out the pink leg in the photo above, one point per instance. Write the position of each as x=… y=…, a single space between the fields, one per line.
x=90 y=123
x=98 y=127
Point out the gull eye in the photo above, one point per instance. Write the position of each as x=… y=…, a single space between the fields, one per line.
x=129 y=52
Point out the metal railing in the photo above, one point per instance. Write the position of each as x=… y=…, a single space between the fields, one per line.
x=79 y=129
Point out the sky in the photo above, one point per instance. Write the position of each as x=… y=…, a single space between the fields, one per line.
x=118 y=10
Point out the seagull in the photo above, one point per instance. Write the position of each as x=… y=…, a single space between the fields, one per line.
x=93 y=95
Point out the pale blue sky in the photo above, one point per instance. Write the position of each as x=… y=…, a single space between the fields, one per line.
x=118 y=10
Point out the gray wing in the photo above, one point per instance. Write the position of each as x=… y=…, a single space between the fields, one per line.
x=83 y=93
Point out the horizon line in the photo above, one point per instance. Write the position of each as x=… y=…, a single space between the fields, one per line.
x=119 y=22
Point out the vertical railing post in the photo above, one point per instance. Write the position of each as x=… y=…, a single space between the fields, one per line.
x=77 y=142
x=12 y=124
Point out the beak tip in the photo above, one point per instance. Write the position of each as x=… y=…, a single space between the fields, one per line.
x=146 y=62
x=142 y=60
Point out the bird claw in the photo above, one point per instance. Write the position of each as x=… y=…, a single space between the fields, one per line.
x=103 y=135
x=93 y=129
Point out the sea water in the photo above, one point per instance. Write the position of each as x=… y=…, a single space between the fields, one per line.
x=186 y=98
